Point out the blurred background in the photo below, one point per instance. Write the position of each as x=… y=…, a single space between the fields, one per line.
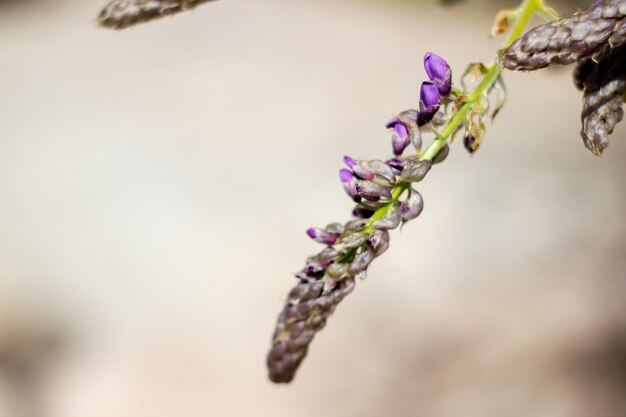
x=156 y=185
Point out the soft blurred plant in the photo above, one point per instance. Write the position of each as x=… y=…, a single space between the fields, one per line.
x=384 y=191
x=594 y=41
x=120 y=14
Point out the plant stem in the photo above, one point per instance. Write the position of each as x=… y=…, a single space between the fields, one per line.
x=521 y=16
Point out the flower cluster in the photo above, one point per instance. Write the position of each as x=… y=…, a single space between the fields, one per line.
x=120 y=14
x=406 y=125
x=594 y=40
x=385 y=199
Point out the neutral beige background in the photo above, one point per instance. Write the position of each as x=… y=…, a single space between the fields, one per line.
x=156 y=183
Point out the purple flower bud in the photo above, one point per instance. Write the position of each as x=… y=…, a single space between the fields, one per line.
x=439 y=72
x=403 y=132
x=358 y=169
x=362 y=213
x=400 y=138
x=348 y=180
x=372 y=191
x=349 y=161
x=429 y=101
x=321 y=236
x=396 y=164
x=380 y=169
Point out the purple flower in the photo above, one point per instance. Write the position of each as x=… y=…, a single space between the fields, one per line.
x=357 y=169
x=429 y=101
x=439 y=72
x=396 y=164
x=401 y=137
x=348 y=180
x=362 y=213
x=321 y=236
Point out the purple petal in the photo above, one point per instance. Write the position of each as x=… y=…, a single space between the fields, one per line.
x=358 y=169
x=401 y=129
x=362 y=213
x=429 y=95
x=439 y=72
x=401 y=137
x=321 y=236
x=396 y=164
x=348 y=180
x=412 y=115
x=392 y=123
x=429 y=100
x=346 y=176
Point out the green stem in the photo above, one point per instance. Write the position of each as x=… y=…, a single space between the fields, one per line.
x=522 y=16
x=524 y=13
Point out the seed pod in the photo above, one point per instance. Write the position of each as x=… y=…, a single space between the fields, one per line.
x=120 y=14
